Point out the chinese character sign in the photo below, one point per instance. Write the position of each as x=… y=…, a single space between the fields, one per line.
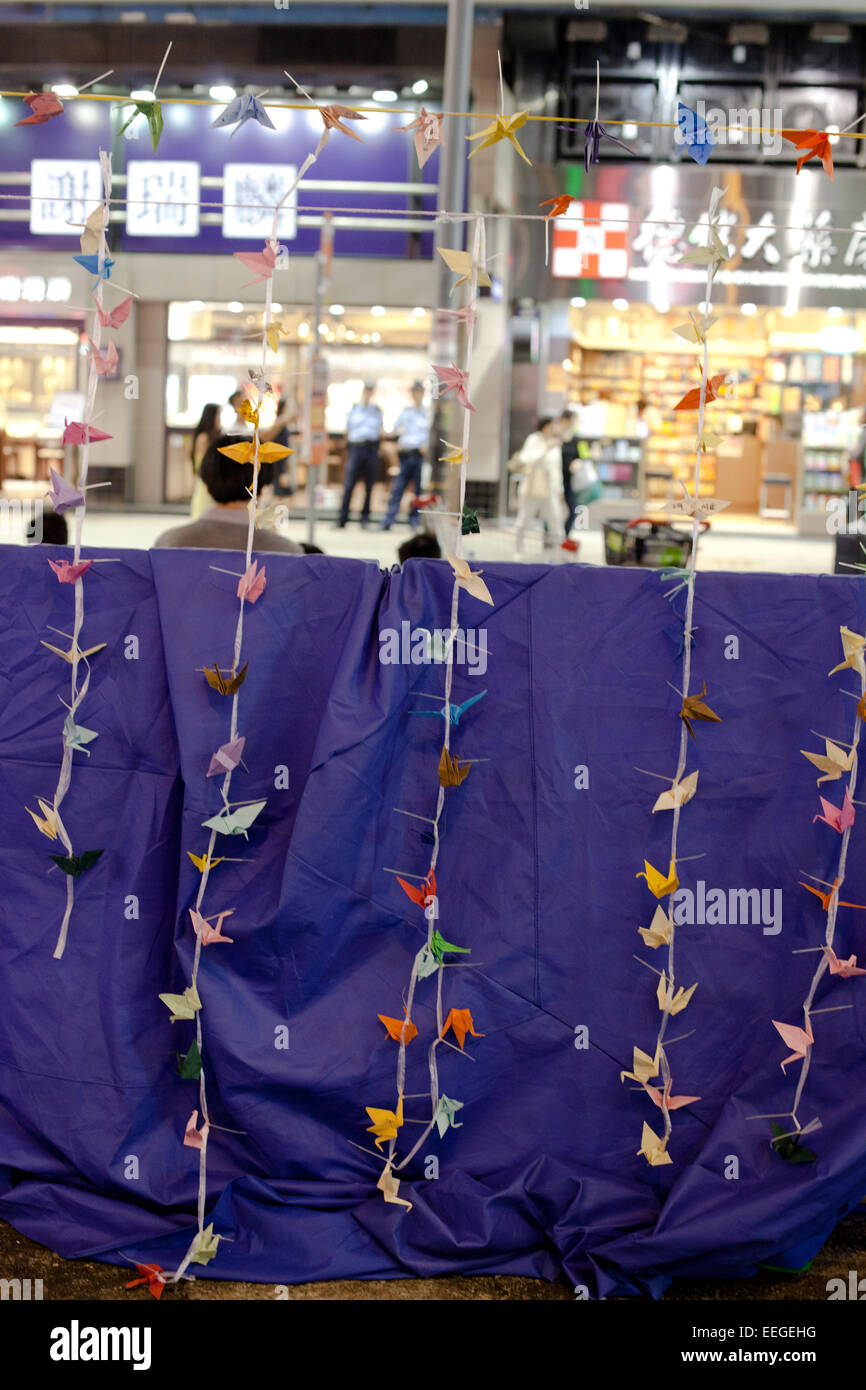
x=64 y=191
x=162 y=198
x=250 y=194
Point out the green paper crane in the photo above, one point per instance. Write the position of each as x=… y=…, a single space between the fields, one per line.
x=439 y=945
x=469 y=523
x=790 y=1148
x=189 y=1063
x=152 y=112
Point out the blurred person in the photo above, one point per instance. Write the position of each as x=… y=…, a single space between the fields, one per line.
x=413 y=436
x=224 y=526
x=567 y=430
x=310 y=549
x=422 y=546
x=540 y=492
x=363 y=432
x=203 y=436
x=54 y=529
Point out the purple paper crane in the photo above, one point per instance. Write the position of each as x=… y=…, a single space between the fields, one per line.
x=62 y=494
x=593 y=135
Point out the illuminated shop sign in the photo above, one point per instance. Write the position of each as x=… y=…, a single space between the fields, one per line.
x=162 y=197
x=62 y=191
x=250 y=193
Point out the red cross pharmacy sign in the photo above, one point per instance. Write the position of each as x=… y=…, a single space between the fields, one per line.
x=590 y=240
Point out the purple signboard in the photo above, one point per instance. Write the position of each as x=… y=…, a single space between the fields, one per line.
x=191 y=154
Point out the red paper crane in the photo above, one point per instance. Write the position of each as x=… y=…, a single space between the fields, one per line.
x=425 y=890
x=152 y=1277
x=43 y=105
x=816 y=143
x=692 y=399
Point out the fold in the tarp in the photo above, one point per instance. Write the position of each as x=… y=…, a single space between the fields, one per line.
x=536 y=875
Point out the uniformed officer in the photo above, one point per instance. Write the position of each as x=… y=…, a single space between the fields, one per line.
x=363 y=430
x=413 y=436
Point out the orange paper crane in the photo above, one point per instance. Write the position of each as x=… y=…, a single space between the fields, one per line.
x=558 y=205
x=825 y=897
x=692 y=399
x=694 y=708
x=425 y=890
x=461 y=1021
x=816 y=143
x=153 y=1277
x=400 y=1029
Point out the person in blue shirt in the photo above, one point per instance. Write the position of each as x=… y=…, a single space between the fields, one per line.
x=413 y=436
x=363 y=430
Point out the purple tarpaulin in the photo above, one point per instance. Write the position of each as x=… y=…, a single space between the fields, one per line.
x=536 y=876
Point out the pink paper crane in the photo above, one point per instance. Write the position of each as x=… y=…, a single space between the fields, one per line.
x=845 y=968
x=211 y=935
x=838 y=818
x=427 y=126
x=115 y=317
x=799 y=1038
x=194 y=1137
x=78 y=433
x=665 y=1101
x=67 y=572
x=62 y=494
x=106 y=362
x=227 y=757
x=262 y=262
x=43 y=105
x=453 y=379
x=252 y=582
x=466 y=315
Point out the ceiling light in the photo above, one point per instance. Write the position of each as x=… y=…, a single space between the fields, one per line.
x=633 y=52
x=620 y=304
x=629 y=131
x=577 y=302
x=196 y=304
x=65 y=89
x=833 y=132
x=235 y=307
x=336 y=309
x=322 y=328
x=145 y=94
x=385 y=95
x=834 y=312
x=749 y=309
x=303 y=330
x=420 y=87
x=365 y=337
x=567 y=364
x=350 y=334
x=376 y=337
x=738 y=53
x=419 y=313
x=788 y=312
x=276 y=308
x=222 y=93
x=377 y=311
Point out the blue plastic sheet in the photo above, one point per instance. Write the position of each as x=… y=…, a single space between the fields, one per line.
x=535 y=875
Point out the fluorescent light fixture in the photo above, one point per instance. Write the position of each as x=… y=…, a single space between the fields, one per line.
x=420 y=87
x=322 y=328
x=303 y=330
x=748 y=309
x=577 y=302
x=418 y=312
x=222 y=93
x=337 y=309
x=196 y=304
x=377 y=311
x=145 y=94
x=376 y=337
x=633 y=52
x=833 y=132
x=629 y=131
x=276 y=308
x=567 y=364
x=839 y=339
x=385 y=94
x=738 y=53
x=834 y=312
x=235 y=307
x=620 y=304
x=64 y=89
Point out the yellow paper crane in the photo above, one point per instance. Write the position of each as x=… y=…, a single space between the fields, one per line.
x=52 y=824
x=658 y=933
x=503 y=127
x=645 y=1067
x=245 y=452
x=660 y=885
x=453 y=454
x=465 y=265
x=671 y=1003
x=653 y=1148
x=852 y=646
x=385 y=1122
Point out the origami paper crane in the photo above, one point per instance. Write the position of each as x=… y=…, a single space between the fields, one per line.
x=115 y=317
x=695 y=134
x=152 y=1276
x=439 y=946
x=469 y=523
x=91 y=264
x=273 y=333
x=558 y=206
x=104 y=363
x=76 y=864
x=236 y=821
x=400 y=1029
x=93 y=228
x=845 y=968
x=788 y=1146
x=454 y=711
x=825 y=898
x=817 y=145
x=677 y=794
x=645 y=1067
x=502 y=128
x=228 y=684
x=189 y=1063
x=262 y=262
x=692 y=399
x=451 y=771
x=653 y=1148
x=669 y=1002
x=252 y=582
x=70 y=655
x=152 y=113
x=333 y=118
x=68 y=572
x=211 y=935
x=423 y=892
x=593 y=134
x=205 y=1246
x=466 y=315
x=453 y=454
x=43 y=105
x=389 y=1186
x=665 y=1101
x=201 y=861
x=245 y=451
x=470 y=580
x=852 y=645
x=695 y=330
x=76 y=736
x=444 y=1116
x=193 y=1137
x=453 y=379
x=461 y=1022
x=226 y=758
x=240 y=110
x=695 y=506
x=693 y=707
x=837 y=817
x=77 y=433
x=385 y=1122
x=49 y=823
x=464 y=265
x=427 y=126
x=800 y=1039
x=426 y=963
x=659 y=885
x=833 y=763
x=712 y=254
x=184 y=1005
x=63 y=495
x=658 y=933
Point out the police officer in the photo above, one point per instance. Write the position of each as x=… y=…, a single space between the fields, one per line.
x=413 y=434
x=363 y=430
